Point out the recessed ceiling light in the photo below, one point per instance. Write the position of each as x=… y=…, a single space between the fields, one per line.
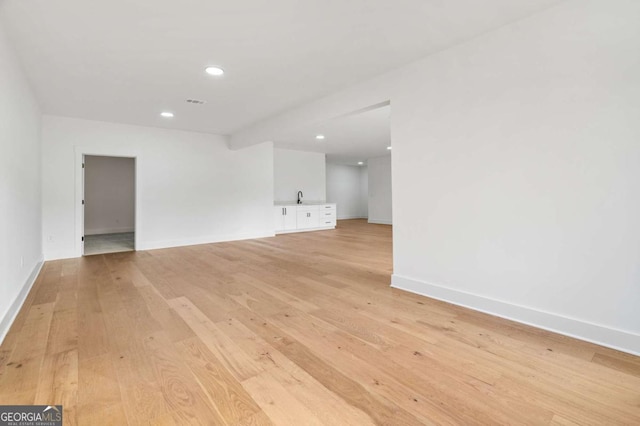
x=360 y=163
x=167 y=114
x=389 y=148
x=320 y=137
x=217 y=71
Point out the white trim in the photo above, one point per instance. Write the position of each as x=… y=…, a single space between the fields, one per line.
x=293 y=231
x=12 y=312
x=352 y=217
x=153 y=245
x=100 y=231
x=60 y=255
x=621 y=340
x=380 y=222
x=80 y=152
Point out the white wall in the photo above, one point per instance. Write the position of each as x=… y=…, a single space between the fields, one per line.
x=299 y=171
x=379 y=169
x=109 y=194
x=20 y=213
x=364 y=191
x=345 y=188
x=516 y=169
x=190 y=187
x=517 y=173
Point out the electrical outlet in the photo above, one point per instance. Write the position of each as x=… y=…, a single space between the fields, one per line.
x=50 y=238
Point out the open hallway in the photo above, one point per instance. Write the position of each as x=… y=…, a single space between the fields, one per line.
x=295 y=329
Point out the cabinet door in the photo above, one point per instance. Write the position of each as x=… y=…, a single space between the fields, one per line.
x=307 y=217
x=290 y=221
x=278 y=218
x=313 y=219
x=303 y=219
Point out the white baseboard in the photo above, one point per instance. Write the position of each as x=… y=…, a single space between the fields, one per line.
x=380 y=222
x=350 y=217
x=153 y=245
x=60 y=254
x=12 y=312
x=294 y=231
x=100 y=231
x=621 y=340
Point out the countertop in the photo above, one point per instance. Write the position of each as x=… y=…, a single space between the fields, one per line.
x=304 y=203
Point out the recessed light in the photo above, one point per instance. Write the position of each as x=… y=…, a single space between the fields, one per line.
x=320 y=137
x=217 y=71
x=167 y=114
x=360 y=163
x=389 y=148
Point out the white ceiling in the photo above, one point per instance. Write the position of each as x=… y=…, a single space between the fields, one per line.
x=128 y=60
x=348 y=139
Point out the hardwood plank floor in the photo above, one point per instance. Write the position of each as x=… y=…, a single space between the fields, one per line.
x=299 y=329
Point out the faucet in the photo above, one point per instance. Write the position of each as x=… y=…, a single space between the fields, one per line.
x=299 y=197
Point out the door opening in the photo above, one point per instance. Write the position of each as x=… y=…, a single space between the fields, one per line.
x=108 y=204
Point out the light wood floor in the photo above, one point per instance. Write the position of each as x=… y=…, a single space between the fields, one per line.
x=300 y=329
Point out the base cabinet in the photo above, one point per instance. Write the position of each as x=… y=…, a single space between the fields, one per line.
x=307 y=218
x=327 y=215
x=285 y=218
x=298 y=218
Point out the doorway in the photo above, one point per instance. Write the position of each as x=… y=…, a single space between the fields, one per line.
x=109 y=204
x=358 y=163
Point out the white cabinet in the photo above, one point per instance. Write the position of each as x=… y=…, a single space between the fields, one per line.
x=327 y=215
x=285 y=218
x=306 y=217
